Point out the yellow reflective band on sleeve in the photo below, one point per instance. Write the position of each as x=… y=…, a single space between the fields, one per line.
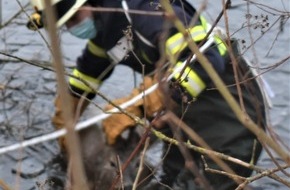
x=219 y=42
x=204 y=23
x=190 y=81
x=96 y=50
x=177 y=43
x=94 y=83
x=220 y=45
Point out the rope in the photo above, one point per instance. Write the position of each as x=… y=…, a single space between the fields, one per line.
x=93 y=120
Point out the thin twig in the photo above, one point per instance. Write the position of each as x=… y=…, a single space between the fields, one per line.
x=232 y=57
x=4 y=185
x=119 y=166
x=38 y=31
x=131 y=156
x=72 y=141
x=233 y=176
x=13 y=17
x=260 y=175
x=276 y=162
x=197 y=139
x=141 y=164
x=207 y=152
x=244 y=118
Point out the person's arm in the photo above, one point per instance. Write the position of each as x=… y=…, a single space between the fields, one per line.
x=92 y=67
x=194 y=78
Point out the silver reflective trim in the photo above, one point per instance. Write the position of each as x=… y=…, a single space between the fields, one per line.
x=120 y=50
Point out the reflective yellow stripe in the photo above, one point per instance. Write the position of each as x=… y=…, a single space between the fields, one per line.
x=203 y=23
x=94 y=83
x=190 y=81
x=96 y=50
x=220 y=45
x=177 y=43
x=197 y=33
x=219 y=42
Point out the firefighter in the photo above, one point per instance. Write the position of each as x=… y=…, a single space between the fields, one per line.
x=139 y=41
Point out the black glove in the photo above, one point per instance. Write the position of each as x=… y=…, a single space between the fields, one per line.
x=35 y=21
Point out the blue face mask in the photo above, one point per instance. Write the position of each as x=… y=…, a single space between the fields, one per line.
x=86 y=29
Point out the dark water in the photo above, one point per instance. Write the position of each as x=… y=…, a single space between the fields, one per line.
x=26 y=103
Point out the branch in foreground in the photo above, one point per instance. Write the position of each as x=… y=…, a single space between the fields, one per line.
x=263 y=174
x=243 y=117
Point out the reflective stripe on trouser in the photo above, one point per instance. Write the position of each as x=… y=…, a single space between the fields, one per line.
x=190 y=80
x=94 y=83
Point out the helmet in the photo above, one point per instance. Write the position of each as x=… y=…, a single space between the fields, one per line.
x=64 y=8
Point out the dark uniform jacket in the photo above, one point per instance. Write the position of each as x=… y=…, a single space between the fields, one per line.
x=135 y=42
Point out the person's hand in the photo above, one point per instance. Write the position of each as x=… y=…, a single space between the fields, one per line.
x=35 y=22
x=114 y=125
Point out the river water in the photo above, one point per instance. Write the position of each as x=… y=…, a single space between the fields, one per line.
x=26 y=103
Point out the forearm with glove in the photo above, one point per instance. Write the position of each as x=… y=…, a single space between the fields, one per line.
x=117 y=123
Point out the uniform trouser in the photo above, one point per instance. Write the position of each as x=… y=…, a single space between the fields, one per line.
x=213 y=120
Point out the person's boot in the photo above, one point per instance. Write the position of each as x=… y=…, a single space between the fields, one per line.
x=58 y=118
